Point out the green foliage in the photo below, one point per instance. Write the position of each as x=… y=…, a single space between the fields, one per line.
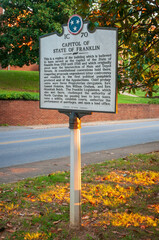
x=137 y=23
x=24 y=22
x=138 y=33
x=6 y=95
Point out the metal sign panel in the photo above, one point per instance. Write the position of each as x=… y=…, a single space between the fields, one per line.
x=78 y=69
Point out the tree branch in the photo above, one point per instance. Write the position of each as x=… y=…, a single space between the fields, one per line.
x=138 y=56
x=144 y=15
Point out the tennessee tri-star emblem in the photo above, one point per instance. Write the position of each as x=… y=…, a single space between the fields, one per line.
x=75 y=24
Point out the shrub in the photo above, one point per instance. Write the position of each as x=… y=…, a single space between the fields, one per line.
x=19 y=96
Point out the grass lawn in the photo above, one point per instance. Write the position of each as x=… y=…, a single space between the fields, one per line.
x=120 y=200
x=14 y=85
x=124 y=99
x=141 y=99
x=19 y=80
x=142 y=94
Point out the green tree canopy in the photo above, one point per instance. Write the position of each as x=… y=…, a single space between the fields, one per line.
x=138 y=32
x=23 y=22
x=137 y=21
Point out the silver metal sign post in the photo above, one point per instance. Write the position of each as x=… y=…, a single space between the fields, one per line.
x=75 y=166
x=75 y=172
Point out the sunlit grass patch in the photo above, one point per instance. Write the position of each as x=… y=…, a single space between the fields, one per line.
x=144 y=165
x=103 y=194
x=154 y=208
x=142 y=178
x=127 y=220
x=57 y=193
x=11 y=206
x=106 y=195
x=37 y=235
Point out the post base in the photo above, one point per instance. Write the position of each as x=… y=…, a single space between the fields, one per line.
x=74 y=227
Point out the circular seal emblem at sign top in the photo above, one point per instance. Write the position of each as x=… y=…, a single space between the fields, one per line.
x=75 y=24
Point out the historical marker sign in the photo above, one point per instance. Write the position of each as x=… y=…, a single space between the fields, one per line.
x=78 y=69
x=78 y=72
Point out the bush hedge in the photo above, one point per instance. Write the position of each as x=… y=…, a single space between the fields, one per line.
x=19 y=96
